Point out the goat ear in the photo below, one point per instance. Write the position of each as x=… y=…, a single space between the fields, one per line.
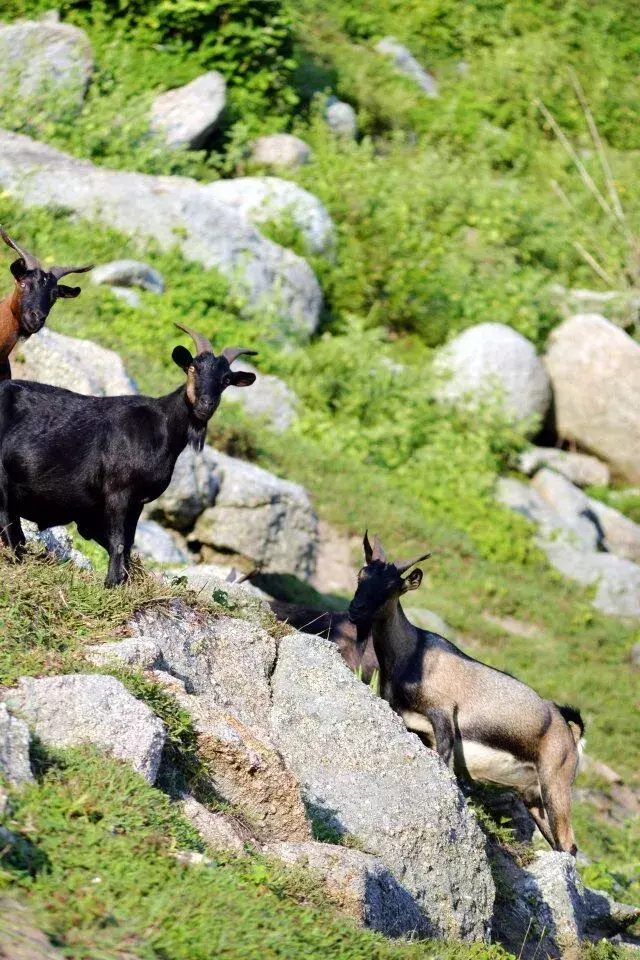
x=18 y=269
x=413 y=581
x=68 y=293
x=182 y=357
x=241 y=378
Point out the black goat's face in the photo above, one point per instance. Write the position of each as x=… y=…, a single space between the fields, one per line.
x=208 y=377
x=378 y=583
x=38 y=291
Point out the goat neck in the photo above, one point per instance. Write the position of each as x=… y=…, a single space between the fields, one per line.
x=395 y=639
x=180 y=419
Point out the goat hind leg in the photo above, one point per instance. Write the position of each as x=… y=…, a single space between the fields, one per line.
x=115 y=541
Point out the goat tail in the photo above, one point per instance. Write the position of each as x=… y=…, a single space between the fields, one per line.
x=573 y=719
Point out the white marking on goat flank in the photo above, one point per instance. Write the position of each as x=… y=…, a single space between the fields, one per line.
x=496 y=766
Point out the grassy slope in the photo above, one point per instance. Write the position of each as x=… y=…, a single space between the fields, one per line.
x=435 y=233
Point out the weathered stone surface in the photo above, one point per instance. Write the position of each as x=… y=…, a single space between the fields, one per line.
x=361 y=885
x=256 y=514
x=492 y=357
x=187 y=116
x=169 y=210
x=134 y=651
x=246 y=769
x=260 y=199
x=406 y=63
x=226 y=661
x=220 y=831
x=269 y=399
x=78 y=365
x=128 y=273
x=574 y=530
x=280 y=151
x=580 y=468
x=14 y=749
x=543 y=908
x=210 y=579
x=341 y=118
x=131 y=297
x=44 y=57
x=74 y=709
x=193 y=488
x=618 y=581
x=366 y=775
x=56 y=541
x=595 y=370
x=156 y=543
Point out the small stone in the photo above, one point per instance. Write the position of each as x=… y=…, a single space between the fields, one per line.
x=281 y=151
x=220 y=831
x=128 y=273
x=342 y=119
x=187 y=116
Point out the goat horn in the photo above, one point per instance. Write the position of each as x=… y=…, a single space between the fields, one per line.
x=31 y=262
x=378 y=550
x=403 y=567
x=232 y=353
x=368 y=551
x=60 y=272
x=202 y=344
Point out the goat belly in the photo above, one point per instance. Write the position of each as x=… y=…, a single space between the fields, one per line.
x=490 y=765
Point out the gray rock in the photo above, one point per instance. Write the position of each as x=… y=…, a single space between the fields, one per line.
x=580 y=468
x=67 y=711
x=210 y=578
x=366 y=775
x=361 y=885
x=187 y=116
x=635 y=656
x=45 y=58
x=226 y=661
x=57 y=542
x=544 y=909
x=14 y=749
x=281 y=151
x=269 y=520
x=128 y=273
x=78 y=365
x=156 y=543
x=171 y=211
x=617 y=581
x=269 y=399
x=406 y=63
x=220 y=831
x=574 y=530
x=492 y=357
x=134 y=651
x=428 y=620
x=245 y=769
x=341 y=118
x=131 y=297
x=193 y=488
x=261 y=199
x=595 y=370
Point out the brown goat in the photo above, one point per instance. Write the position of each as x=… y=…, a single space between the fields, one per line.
x=24 y=311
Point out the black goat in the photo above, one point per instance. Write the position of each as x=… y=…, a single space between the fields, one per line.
x=484 y=723
x=97 y=460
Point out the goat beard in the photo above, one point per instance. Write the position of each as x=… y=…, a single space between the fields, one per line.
x=196 y=435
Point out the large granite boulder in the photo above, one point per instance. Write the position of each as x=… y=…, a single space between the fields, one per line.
x=269 y=400
x=78 y=365
x=580 y=468
x=193 y=488
x=365 y=775
x=170 y=211
x=187 y=116
x=595 y=371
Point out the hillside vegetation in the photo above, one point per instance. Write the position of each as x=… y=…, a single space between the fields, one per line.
x=449 y=212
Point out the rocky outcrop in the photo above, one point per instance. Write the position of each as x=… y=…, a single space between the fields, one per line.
x=187 y=116
x=491 y=358
x=544 y=909
x=128 y=273
x=169 y=211
x=134 y=652
x=341 y=119
x=155 y=543
x=595 y=370
x=406 y=63
x=269 y=520
x=261 y=199
x=70 y=710
x=364 y=774
x=58 y=543
x=79 y=365
x=46 y=58
x=580 y=468
x=359 y=884
x=617 y=581
x=281 y=151
x=14 y=749
x=193 y=488
x=220 y=831
x=270 y=400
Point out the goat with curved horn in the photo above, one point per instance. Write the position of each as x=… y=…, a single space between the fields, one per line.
x=232 y=353
x=60 y=272
x=31 y=262
x=405 y=565
x=201 y=343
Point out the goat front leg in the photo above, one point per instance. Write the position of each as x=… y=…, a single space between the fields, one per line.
x=11 y=533
x=115 y=543
x=130 y=526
